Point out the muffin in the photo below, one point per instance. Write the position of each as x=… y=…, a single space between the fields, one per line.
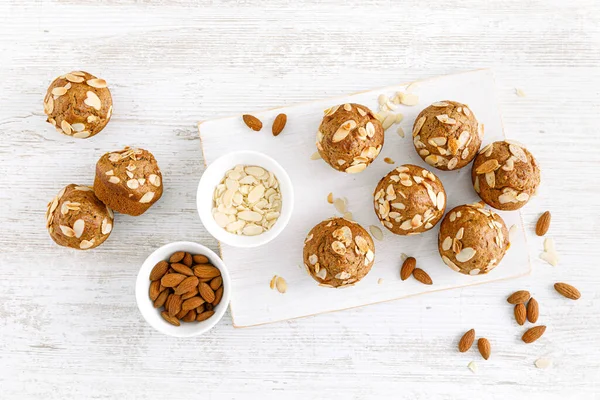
x=447 y=135
x=472 y=239
x=76 y=218
x=128 y=181
x=338 y=253
x=350 y=137
x=78 y=104
x=409 y=200
x=505 y=175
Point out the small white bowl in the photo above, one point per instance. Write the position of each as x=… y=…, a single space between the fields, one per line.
x=152 y=315
x=213 y=175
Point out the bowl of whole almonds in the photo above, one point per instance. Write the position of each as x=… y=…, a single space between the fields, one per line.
x=245 y=199
x=183 y=289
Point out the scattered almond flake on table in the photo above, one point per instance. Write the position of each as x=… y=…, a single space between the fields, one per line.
x=408 y=99
x=272 y=283
x=400 y=131
x=330 y=198
x=472 y=366
x=376 y=232
x=543 y=363
x=315 y=156
x=379 y=281
x=280 y=284
x=340 y=205
x=348 y=216
x=389 y=160
x=512 y=232
x=520 y=92
x=549 y=255
x=403 y=256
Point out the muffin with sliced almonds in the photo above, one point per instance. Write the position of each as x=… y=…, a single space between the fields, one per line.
x=349 y=137
x=338 y=253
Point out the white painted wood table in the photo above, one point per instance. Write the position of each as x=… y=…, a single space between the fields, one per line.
x=69 y=326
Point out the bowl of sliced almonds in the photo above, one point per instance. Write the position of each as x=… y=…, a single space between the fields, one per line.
x=183 y=289
x=245 y=198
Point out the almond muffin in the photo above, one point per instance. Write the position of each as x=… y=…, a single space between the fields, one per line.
x=505 y=175
x=350 y=137
x=338 y=253
x=76 y=218
x=447 y=135
x=472 y=240
x=128 y=181
x=409 y=200
x=78 y=104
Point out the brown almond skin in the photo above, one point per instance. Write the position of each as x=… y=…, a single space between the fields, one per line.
x=519 y=297
x=159 y=270
x=206 y=292
x=466 y=341
x=520 y=313
x=200 y=259
x=187 y=260
x=190 y=294
x=533 y=310
x=543 y=224
x=187 y=285
x=182 y=269
x=422 y=276
x=192 y=303
x=205 y=271
x=170 y=319
x=533 y=334
x=172 y=280
x=176 y=257
x=154 y=290
x=218 y=296
x=160 y=300
x=216 y=283
x=252 y=122
x=174 y=305
x=279 y=124
x=181 y=314
x=485 y=349
x=190 y=316
x=208 y=306
x=204 y=315
x=200 y=310
x=407 y=268
x=570 y=292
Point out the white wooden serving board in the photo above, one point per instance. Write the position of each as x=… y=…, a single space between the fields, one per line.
x=253 y=302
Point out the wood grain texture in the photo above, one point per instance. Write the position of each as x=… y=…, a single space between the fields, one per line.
x=69 y=324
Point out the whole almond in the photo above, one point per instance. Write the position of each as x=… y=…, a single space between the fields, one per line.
x=200 y=310
x=543 y=224
x=205 y=271
x=187 y=260
x=170 y=319
x=533 y=334
x=174 y=305
x=159 y=270
x=218 y=296
x=182 y=269
x=204 y=315
x=200 y=259
x=160 y=300
x=466 y=341
x=176 y=257
x=519 y=297
x=208 y=306
x=279 y=124
x=570 y=292
x=533 y=310
x=216 y=283
x=252 y=122
x=181 y=314
x=485 y=349
x=190 y=316
x=187 y=285
x=192 y=303
x=206 y=292
x=172 y=280
x=154 y=290
x=520 y=313
x=407 y=268
x=190 y=294
x=422 y=276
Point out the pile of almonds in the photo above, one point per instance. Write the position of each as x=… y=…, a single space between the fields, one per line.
x=483 y=345
x=409 y=267
x=187 y=286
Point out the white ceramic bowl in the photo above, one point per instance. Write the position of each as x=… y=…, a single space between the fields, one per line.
x=152 y=315
x=213 y=175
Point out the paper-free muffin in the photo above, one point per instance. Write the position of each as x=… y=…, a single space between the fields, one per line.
x=447 y=135
x=350 y=137
x=505 y=175
x=76 y=218
x=409 y=200
x=472 y=240
x=78 y=104
x=338 y=253
x=128 y=181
